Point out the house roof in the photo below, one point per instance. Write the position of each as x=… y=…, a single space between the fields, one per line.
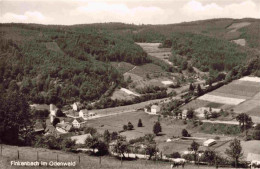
x=253 y=157
x=209 y=141
x=38 y=126
x=40 y=106
x=84 y=110
x=80 y=139
x=80 y=119
x=155 y=106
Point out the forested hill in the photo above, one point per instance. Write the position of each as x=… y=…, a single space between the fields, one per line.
x=57 y=64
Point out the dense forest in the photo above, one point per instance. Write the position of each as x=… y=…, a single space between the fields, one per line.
x=58 y=65
x=205 y=52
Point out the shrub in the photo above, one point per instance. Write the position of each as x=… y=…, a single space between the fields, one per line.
x=175 y=155
x=256 y=134
x=185 y=133
x=125 y=127
x=130 y=126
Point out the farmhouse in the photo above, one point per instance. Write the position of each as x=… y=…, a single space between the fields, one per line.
x=155 y=109
x=63 y=127
x=84 y=114
x=209 y=142
x=80 y=139
x=51 y=130
x=38 y=128
x=77 y=122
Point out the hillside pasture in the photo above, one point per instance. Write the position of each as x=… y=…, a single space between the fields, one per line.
x=122 y=67
x=240 y=88
x=239 y=25
x=221 y=99
x=121 y=95
x=150 y=69
x=153 y=50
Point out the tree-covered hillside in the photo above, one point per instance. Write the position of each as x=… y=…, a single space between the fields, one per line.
x=58 y=64
x=205 y=52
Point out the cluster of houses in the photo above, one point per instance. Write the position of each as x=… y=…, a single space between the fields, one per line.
x=75 y=117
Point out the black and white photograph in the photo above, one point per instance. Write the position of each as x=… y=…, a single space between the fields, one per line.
x=129 y=84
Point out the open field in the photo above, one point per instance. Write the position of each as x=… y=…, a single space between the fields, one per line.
x=221 y=99
x=121 y=95
x=145 y=69
x=243 y=96
x=115 y=123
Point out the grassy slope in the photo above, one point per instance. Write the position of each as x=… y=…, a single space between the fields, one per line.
x=89 y=162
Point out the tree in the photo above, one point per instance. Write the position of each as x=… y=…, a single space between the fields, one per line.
x=157 y=128
x=234 y=151
x=206 y=114
x=190 y=114
x=55 y=121
x=199 y=90
x=68 y=144
x=256 y=132
x=185 y=133
x=151 y=150
x=92 y=142
x=130 y=126
x=114 y=135
x=102 y=148
x=125 y=127
x=16 y=119
x=245 y=121
x=140 y=124
x=90 y=130
x=209 y=156
x=106 y=136
x=194 y=147
x=59 y=113
x=191 y=88
x=121 y=146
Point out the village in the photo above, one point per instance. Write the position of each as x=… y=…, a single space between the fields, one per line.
x=209 y=109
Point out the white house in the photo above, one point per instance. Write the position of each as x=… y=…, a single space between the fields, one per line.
x=84 y=114
x=77 y=123
x=76 y=106
x=53 y=111
x=184 y=114
x=209 y=142
x=155 y=109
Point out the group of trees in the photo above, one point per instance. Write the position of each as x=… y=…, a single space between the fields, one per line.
x=150 y=89
x=129 y=126
x=17 y=121
x=234 y=153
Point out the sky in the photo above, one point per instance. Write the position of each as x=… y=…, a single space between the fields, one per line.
x=69 y=12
